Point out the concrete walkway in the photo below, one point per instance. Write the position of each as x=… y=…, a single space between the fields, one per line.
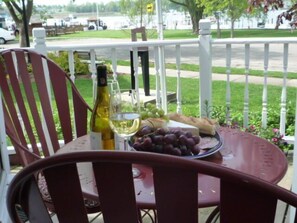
x=218 y=77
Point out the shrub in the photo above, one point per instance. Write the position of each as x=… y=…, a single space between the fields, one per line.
x=62 y=60
x=271 y=133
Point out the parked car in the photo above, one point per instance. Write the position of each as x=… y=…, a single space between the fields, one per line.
x=261 y=25
x=98 y=25
x=6 y=35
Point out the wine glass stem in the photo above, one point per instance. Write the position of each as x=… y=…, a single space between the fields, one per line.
x=125 y=144
x=135 y=171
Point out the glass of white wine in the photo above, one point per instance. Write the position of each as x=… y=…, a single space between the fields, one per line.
x=124 y=116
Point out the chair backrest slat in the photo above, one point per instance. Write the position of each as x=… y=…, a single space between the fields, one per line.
x=67 y=178
x=117 y=200
x=176 y=189
x=243 y=198
x=237 y=200
x=59 y=87
x=80 y=113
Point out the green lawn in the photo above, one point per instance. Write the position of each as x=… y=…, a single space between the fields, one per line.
x=190 y=94
x=180 y=34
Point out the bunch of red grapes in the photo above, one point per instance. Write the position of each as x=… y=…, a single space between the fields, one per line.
x=175 y=141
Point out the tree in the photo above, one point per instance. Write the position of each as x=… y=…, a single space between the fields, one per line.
x=234 y=9
x=137 y=9
x=213 y=8
x=195 y=10
x=290 y=14
x=16 y=11
x=43 y=12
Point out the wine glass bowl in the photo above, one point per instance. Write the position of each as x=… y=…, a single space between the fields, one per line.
x=125 y=124
x=124 y=116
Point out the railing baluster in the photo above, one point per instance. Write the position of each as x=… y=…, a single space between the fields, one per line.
x=135 y=65
x=246 y=89
x=228 y=88
x=163 y=78
x=93 y=72
x=71 y=64
x=264 y=95
x=157 y=69
x=178 y=90
x=114 y=63
x=284 y=90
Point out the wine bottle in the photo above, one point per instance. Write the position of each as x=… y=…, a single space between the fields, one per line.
x=102 y=137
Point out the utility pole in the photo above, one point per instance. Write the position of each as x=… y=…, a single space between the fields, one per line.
x=97 y=16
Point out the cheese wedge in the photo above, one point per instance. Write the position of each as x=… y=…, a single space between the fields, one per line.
x=185 y=127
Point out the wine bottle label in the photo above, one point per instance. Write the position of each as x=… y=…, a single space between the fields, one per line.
x=96 y=141
x=102 y=76
x=102 y=82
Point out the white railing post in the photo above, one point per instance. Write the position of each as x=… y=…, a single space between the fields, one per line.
x=71 y=64
x=205 y=62
x=39 y=40
x=294 y=181
x=3 y=145
x=40 y=46
x=5 y=168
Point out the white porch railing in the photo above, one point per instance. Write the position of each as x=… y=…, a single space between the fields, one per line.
x=155 y=46
x=204 y=46
x=265 y=42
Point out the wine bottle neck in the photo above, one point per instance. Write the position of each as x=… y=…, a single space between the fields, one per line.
x=101 y=76
x=102 y=90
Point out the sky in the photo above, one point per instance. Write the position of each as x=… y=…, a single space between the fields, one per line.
x=65 y=2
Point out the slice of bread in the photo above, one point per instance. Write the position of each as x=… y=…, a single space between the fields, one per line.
x=204 y=125
x=155 y=123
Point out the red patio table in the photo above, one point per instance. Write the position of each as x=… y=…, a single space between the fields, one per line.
x=241 y=151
